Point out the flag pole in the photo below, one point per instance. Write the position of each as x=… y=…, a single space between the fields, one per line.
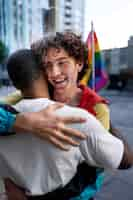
x=93 y=56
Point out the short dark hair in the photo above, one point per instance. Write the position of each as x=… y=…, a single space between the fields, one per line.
x=70 y=42
x=23 y=68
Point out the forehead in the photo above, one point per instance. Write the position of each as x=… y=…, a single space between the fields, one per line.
x=54 y=54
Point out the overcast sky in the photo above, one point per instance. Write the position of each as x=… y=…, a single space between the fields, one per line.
x=113 y=21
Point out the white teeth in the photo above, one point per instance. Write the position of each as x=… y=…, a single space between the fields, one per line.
x=59 y=81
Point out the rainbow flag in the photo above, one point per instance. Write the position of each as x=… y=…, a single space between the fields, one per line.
x=96 y=76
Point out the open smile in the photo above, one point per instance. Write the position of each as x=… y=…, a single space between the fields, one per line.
x=60 y=83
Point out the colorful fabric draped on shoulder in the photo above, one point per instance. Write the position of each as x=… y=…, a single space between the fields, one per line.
x=89 y=99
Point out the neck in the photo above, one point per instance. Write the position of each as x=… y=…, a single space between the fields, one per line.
x=38 y=90
x=72 y=99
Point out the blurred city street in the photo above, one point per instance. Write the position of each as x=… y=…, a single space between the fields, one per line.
x=118 y=184
x=5 y=90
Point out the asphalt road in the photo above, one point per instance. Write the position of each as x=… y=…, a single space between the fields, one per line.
x=118 y=185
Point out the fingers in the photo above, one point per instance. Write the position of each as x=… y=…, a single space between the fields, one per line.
x=59 y=136
x=55 y=141
x=65 y=138
x=61 y=131
x=58 y=144
x=66 y=120
x=73 y=132
x=71 y=120
x=48 y=126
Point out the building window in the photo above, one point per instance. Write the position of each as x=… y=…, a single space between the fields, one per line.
x=68 y=0
x=14 y=3
x=15 y=14
x=68 y=15
x=67 y=23
x=68 y=7
x=15 y=31
x=30 y=20
x=30 y=10
x=52 y=3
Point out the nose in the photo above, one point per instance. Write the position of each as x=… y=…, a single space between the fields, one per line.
x=55 y=71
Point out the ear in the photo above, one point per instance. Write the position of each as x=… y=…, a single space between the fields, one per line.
x=80 y=66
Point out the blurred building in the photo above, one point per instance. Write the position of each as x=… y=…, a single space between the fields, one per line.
x=21 y=22
x=67 y=15
x=24 y=21
x=119 y=64
x=130 y=52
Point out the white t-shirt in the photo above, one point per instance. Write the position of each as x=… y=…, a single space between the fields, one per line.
x=40 y=167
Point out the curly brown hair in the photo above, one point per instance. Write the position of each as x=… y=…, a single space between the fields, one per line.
x=70 y=42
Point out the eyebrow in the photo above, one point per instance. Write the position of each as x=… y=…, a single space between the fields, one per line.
x=58 y=59
x=62 y=58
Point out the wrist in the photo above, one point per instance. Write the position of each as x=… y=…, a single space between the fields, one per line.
x=21 y=123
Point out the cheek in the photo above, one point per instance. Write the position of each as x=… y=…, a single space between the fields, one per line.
x=73 y=76
x=66 y=68
x=71 y=71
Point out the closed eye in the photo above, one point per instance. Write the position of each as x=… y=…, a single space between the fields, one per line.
x=63 y=62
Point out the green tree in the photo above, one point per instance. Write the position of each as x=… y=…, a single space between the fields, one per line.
x=3 y=51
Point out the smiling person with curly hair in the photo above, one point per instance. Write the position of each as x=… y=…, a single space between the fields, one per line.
x=64 y=58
